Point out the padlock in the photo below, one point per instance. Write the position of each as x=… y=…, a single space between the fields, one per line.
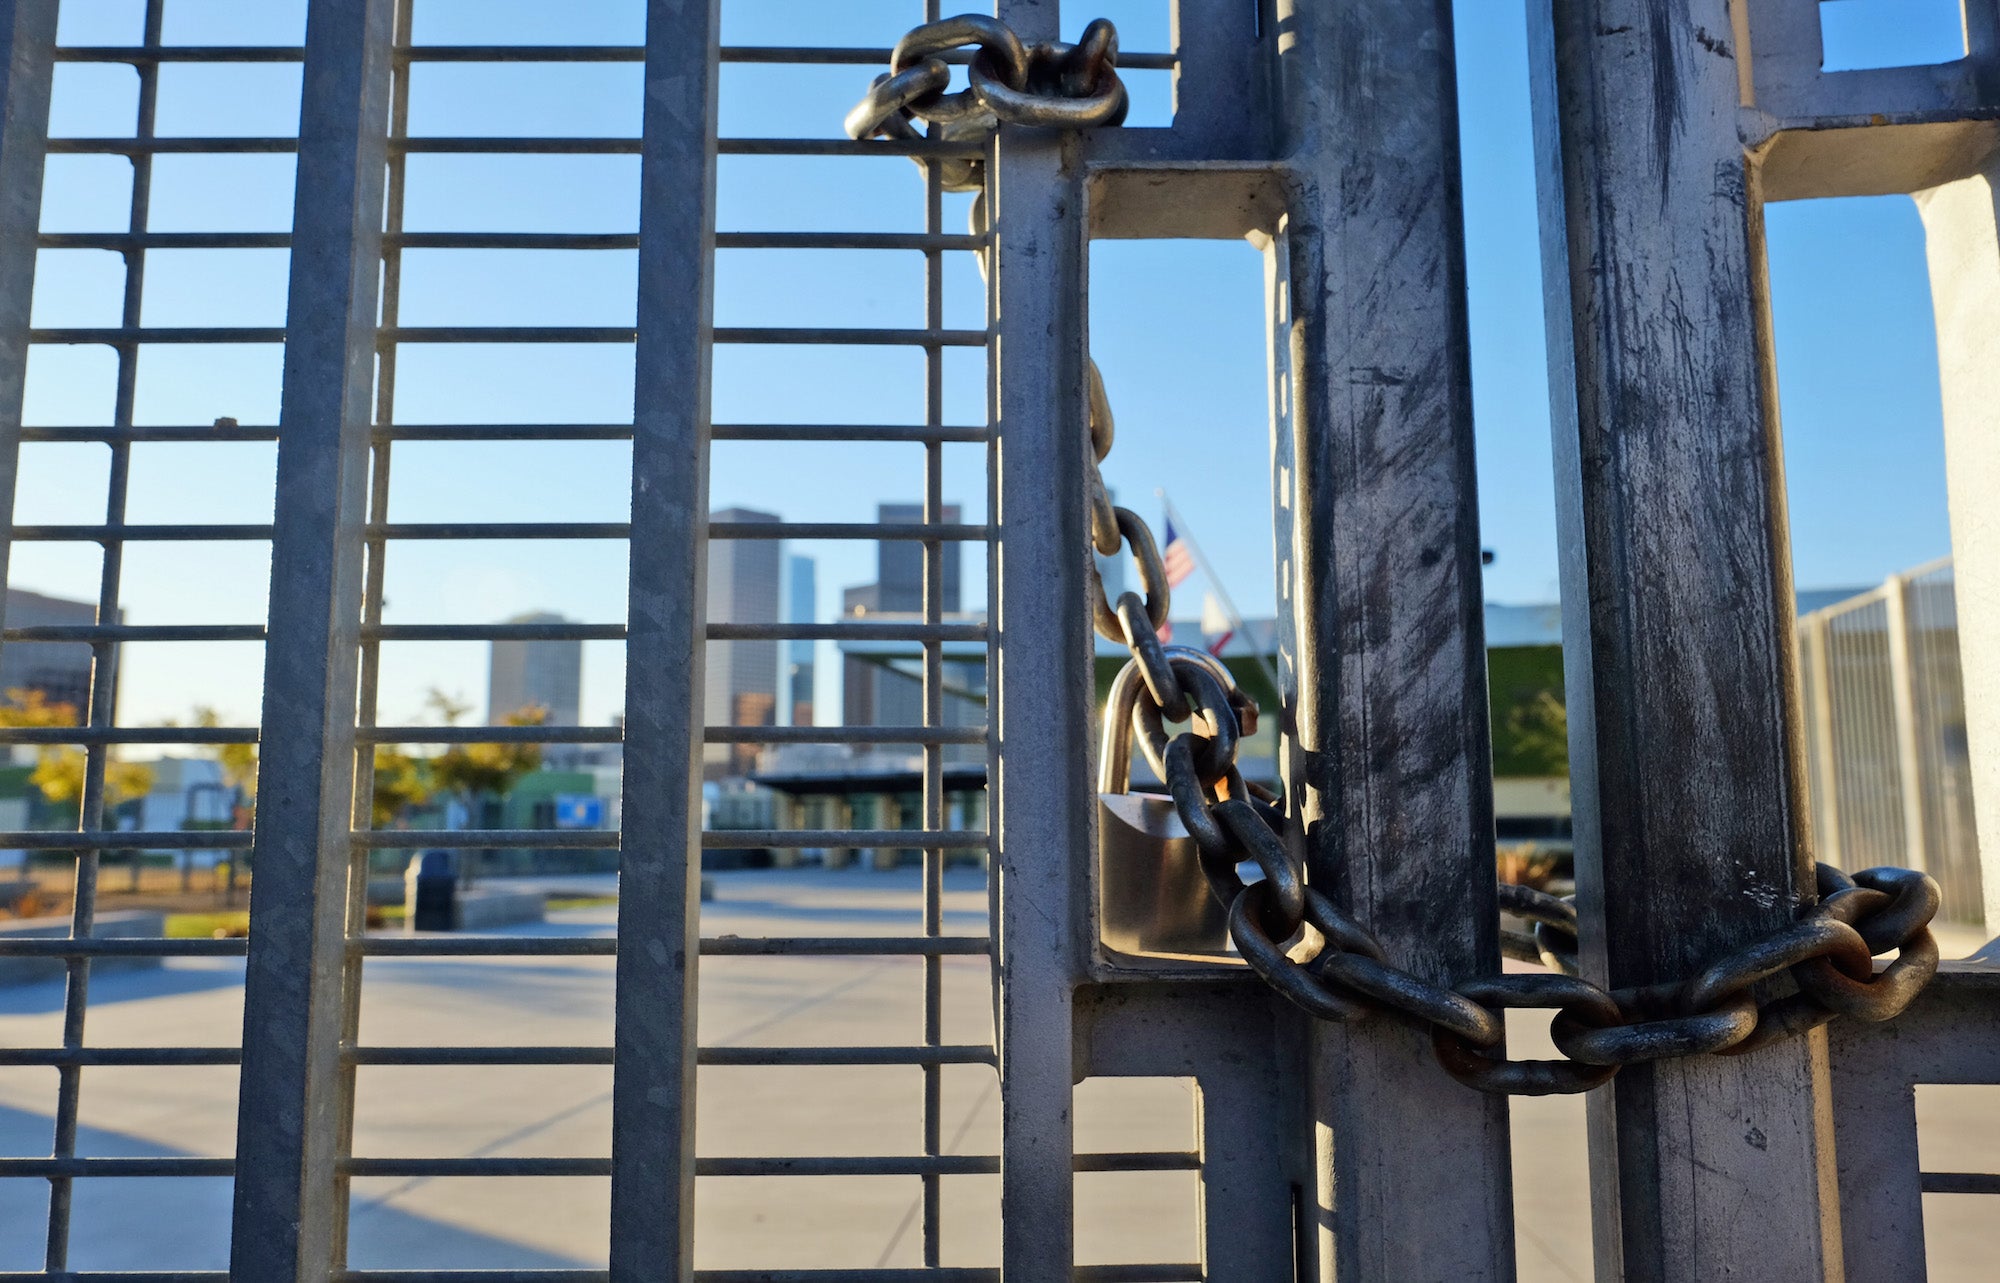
x=1153 y=900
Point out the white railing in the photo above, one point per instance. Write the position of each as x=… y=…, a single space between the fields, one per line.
x=1884 y=719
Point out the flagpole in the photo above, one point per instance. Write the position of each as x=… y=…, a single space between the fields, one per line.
x=1215 y=581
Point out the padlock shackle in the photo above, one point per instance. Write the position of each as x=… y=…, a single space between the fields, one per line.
x=1114 y=752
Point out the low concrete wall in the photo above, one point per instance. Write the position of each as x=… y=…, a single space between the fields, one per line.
x=128 y=924
x=483 y=908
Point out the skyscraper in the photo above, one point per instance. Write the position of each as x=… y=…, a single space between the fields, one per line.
x=874 y=694
x=742 y=676
x=540 y=674
x=801 y=587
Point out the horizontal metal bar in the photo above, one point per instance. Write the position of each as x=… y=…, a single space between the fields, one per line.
x=128 y=735
x=113 y=839
x=470 y=530
x=468 y=839
x=539 y=1166
x=133 y=336
x=873 y=531
x=118 y=1057
x=486 y=735
x=165 y=240
x=1961 y=1183
x=125 y=533
x=204 y=433
x=155 y=146
x=844 y=432
x=503 y=432
x=122 y=947
x=824 y=1056
x=175 y=434
x=850 y=240
x=490 y=1056
x=114 y=1276
x=825 y=336
x=141 y=55
x=481 y=1166
x=841 y=735
x=844 y=946
x=904 y=632
x=136 y=633
x=512 y=240
x=116 y=1167
x=787 y=839
x=552 y=1055
x=870 y=530
x=925 y=148
x=581 y=240
x=463 y=946
x=943 y=1274
x=494 y=632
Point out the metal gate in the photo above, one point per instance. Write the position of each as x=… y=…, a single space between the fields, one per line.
x=1327 y=134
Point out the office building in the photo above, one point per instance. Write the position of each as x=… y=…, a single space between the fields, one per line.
x=801 y=586
x=59 y=670
x=536 y=674
x=744 y=582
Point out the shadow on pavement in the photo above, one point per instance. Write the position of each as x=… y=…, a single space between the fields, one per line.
x=182 y=1222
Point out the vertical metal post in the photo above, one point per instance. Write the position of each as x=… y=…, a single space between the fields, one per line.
x=287 y=1224
x=1909 y=742
x=659 y=864
x=27 y=28
x=27 y=70
x=1678 y=622
x=1380 y=535
x=1044 y=688
x=1819 y=693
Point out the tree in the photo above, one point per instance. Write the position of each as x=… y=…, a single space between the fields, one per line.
x=1539 y=726
x=238 y=761
x=402 y=783
x=477 y=771
x=61 y=769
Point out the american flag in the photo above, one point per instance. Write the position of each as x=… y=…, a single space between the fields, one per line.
x=1177 y=556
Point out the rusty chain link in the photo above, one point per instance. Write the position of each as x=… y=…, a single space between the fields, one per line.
x=1052 y=85
x=1294 y=936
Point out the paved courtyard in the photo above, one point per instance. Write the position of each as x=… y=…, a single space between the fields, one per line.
x=182 y=1223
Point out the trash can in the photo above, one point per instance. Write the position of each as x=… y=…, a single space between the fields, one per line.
x=430 y=891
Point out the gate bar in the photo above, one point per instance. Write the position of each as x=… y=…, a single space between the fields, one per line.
x=1686 y=775
x=27 y=42
x=287 y=1219
x=1379 y=537
x=1043 y=677
x=659 y=864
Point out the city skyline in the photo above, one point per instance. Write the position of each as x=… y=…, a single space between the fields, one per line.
x=1176 y=326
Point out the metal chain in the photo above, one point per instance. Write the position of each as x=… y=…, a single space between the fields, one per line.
x=1050 y=85
x=1295 y=937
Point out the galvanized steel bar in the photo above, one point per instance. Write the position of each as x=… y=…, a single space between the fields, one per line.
x=1380 y=532
x=287 y=1226
x=1686 y=778
x=27 y=42
x=653 y=1106
x=1043 y=683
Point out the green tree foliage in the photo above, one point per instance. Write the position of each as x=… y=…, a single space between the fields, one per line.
x=61 y=769
x=474 y=771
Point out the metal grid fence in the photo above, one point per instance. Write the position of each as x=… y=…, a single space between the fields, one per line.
x=335 y=545
x=1886 y=753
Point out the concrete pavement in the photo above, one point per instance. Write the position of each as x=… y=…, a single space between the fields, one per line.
x=745 y=1222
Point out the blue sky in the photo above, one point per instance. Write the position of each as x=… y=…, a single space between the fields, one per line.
x=1177 y=327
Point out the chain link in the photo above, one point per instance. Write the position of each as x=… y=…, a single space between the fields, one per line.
x=1292 y=935
x=1051 y=85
